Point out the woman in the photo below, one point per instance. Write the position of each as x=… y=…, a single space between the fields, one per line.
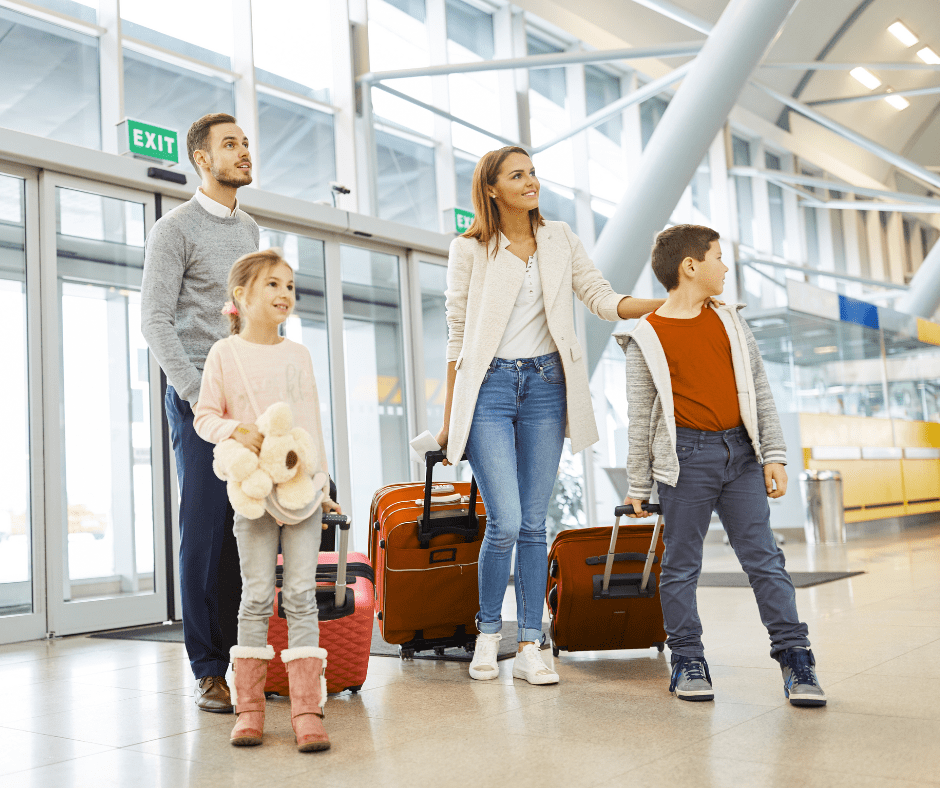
x=517 y=384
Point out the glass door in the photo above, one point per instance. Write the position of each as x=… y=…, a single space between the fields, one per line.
x=22 y=587
x=104 y=491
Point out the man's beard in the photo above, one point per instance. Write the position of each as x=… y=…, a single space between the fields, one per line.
x=231 y=182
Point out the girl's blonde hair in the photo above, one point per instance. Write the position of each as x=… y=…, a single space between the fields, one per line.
x=245 y=270
x=485 y=226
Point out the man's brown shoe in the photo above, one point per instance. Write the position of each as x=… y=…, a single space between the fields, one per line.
x=212 y=694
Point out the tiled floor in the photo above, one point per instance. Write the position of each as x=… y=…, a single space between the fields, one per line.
x=99 y=713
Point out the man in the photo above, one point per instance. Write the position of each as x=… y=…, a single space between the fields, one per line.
x=189 y=254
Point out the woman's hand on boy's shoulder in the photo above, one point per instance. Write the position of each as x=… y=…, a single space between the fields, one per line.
x=775 y=473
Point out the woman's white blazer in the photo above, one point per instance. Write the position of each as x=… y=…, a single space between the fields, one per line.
x=481 y=294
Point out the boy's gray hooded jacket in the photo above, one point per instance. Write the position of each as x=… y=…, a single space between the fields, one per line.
x=652 y=429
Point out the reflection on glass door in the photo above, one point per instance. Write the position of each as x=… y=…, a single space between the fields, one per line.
x=16 y=596
x=308 y=323
x=375 y=392
x=105 y=396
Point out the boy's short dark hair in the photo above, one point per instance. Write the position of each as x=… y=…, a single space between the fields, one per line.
x=674 y=244
x=198 y=136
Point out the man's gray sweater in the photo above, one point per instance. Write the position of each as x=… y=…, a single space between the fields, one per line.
x=188 y=258
x=652 y=430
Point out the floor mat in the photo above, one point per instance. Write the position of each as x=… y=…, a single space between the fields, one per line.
x=800 y=579
x=166 y=633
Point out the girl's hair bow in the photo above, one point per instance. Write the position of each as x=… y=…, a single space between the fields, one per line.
x=229 y=308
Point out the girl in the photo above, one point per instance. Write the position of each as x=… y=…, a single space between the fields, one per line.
x=517 y=384
x=261 y=289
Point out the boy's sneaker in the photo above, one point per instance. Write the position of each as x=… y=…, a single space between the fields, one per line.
x=800 y=684
x=529 y=665
x=690 y=679
x=484 y=665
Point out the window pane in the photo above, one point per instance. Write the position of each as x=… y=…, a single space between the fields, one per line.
x=470 y=28
x=702 y=188
x=108 y=495
x=86 y=10
x=557 y=207
x=651 y=112
x=464 y=172
x=307 y=325
x=398 y=38
x=548 y=115
x=603 y=89
x=172 y=97
x=298 y=154
x=778 y=224
x=741 y=152
x=200 y=30
x=378 y=428
x=547 y=82
x=472 y=96
x=406 y=181
x=50 y=81
x=15 y=534
x=295 y=56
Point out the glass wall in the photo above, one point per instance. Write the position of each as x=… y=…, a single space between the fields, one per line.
x=778 y=221
x=741 y=152
x=172 y=97
x=407 y=187
x=107 y=474
x=200 y=30
x=375 y=391
x=50 y=80
x=298 y=154
x=308 y=324
x=15 y=533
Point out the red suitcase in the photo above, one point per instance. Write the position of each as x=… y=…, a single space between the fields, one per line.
x=591 y=607
x=424 y=546
x=345 y=625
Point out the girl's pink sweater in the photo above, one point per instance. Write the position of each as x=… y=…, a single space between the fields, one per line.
x=276 y=373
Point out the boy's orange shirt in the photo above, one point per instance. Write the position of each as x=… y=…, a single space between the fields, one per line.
x=703 y=386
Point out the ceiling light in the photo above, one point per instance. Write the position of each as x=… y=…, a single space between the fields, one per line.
x=898 y=102
x=900 y=31
x=929 y=56
x=821 y=351
x=865 y=76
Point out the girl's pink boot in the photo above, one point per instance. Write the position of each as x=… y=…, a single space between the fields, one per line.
x=250 y=666
x=306 y=675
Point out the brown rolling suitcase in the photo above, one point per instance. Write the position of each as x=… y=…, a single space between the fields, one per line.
x=601 y=602
x=424 y=547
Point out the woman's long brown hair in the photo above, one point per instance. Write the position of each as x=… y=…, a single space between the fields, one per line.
x=485 y=226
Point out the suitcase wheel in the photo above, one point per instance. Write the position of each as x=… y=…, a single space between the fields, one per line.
x=354 y=689
x=660 y=647
x=554 y=650
x=406 y=653
x=439 y=652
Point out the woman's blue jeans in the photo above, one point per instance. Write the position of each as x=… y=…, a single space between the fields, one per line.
x=514 y=448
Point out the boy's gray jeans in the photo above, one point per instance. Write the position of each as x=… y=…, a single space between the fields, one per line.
x=257 y=549
x=719 y=471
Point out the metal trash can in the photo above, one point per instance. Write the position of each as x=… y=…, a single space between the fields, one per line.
x=825 y=511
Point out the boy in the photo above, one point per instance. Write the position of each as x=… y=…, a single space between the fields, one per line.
x=702 y=425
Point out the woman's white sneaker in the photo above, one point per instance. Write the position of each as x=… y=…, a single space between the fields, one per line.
x=529 y=665
x=484 y=665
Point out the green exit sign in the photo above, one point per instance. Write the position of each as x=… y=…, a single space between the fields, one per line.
x=149 y=142
x=457 y=220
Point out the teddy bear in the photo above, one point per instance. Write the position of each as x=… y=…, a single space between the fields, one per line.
x=287 y=465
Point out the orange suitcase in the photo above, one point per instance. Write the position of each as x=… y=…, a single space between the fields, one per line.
x=424 y=547
x=599 y=602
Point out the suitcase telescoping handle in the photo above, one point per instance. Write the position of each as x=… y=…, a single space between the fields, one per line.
x=620 y=511
x=342 y=523
x=469 y=530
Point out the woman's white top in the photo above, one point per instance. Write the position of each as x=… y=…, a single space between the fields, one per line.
x=527 y=334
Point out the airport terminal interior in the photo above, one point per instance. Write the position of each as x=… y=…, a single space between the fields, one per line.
x=807 y=132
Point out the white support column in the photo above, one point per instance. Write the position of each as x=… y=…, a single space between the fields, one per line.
x=503 y=29
x=111 y=64
x=366 y=156
x=876 y=247
x=445 y=175
x=696 y=114
x=343 y=97
x=521 y=78
x=724 y=210
x=246 y=99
